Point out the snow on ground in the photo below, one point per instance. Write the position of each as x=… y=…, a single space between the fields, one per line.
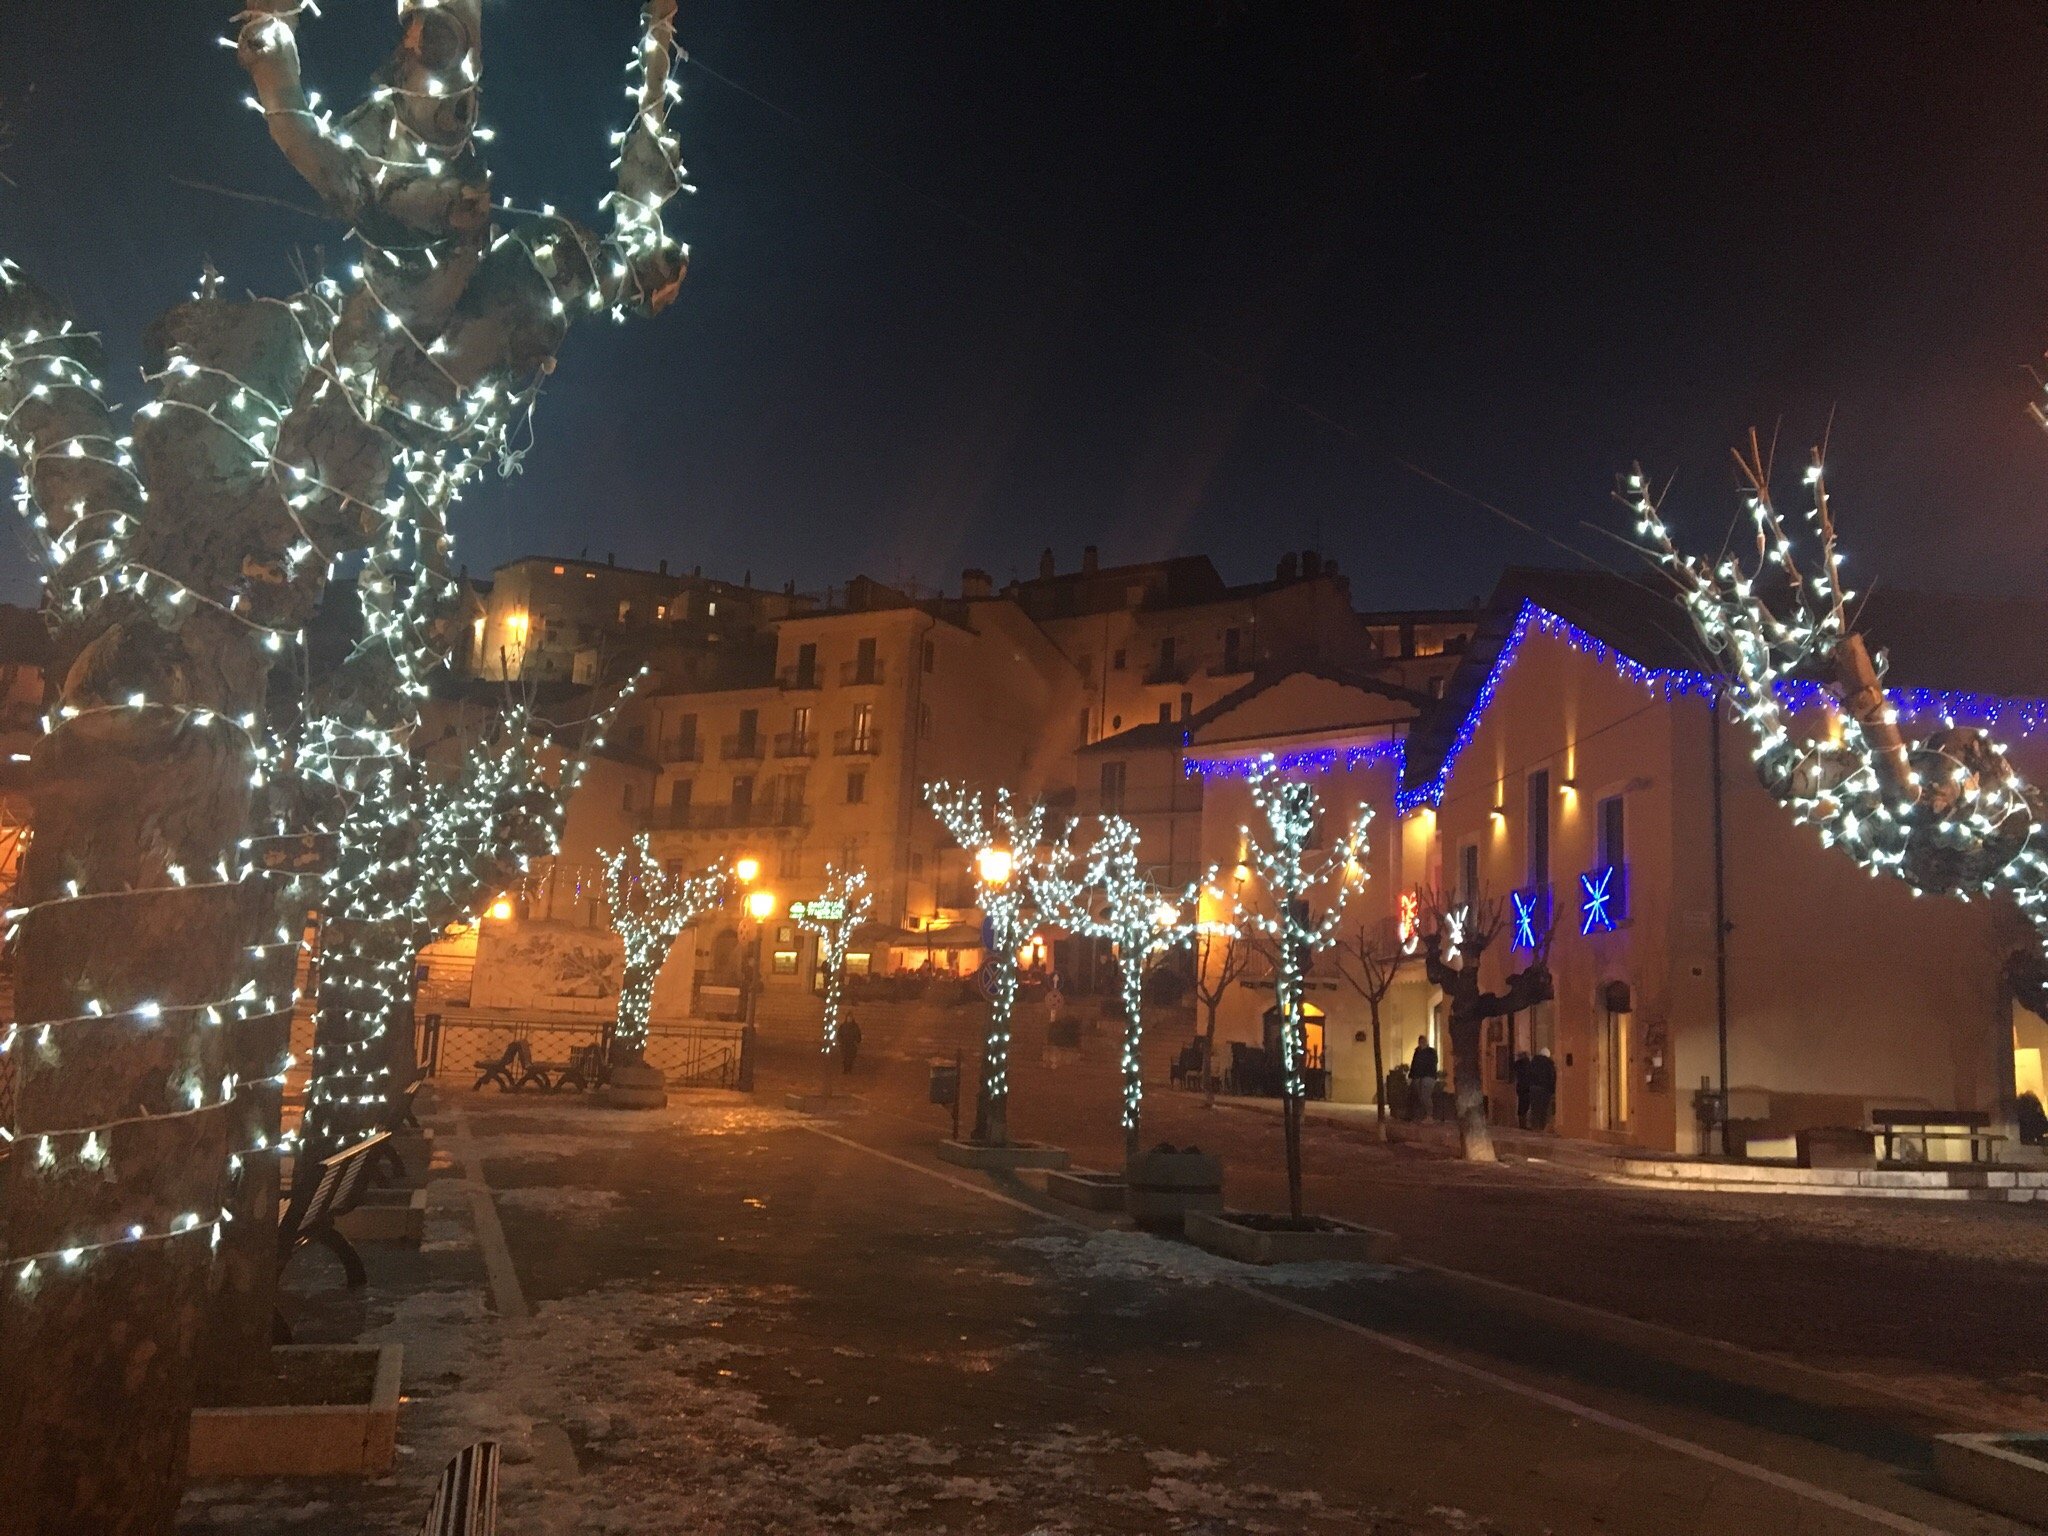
x=564 y=1202
x=577 y=1129
x=1118 y=1255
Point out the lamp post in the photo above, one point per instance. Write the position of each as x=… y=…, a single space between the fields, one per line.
x=760 y=907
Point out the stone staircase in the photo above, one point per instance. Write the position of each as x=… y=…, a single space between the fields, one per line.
x=2008 y=1182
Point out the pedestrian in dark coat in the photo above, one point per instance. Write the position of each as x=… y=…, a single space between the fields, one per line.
x=1422 y=1079
x=1519 y=1075
x=849 y=1044
x=1542 y=1089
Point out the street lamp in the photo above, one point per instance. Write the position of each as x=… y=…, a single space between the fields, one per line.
x=760 y=906
x=747 y=870
x=994 y=865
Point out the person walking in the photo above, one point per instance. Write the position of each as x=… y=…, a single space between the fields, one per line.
x=1519 y=1074
x=849 y=1044
x=1542 y=1089
x=1422 y=1079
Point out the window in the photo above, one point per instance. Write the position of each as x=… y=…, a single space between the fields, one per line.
x=800 y=726
x=863 y=734
x=1613 y=852
x=679 y=796
x=1538 y=830
x=1468 y=873
x=1117 y=659
x=742 y=794
x=807 y=665
x=1083 y=731
x=793 y=796
x=856 y=786
x=686 y=738
x=711 y=610
x=1165 y=714
x=1166 y=654
x=661 y=610
x=1112 y=788
x=561 y=570
x=626 y=612
x=864 y=661
x=750 y=730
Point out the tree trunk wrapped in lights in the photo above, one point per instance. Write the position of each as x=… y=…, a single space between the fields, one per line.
x=1004 y=849
x=837 y=911
x=1451 y=953
x=1137 y=917
x=650 y=907
x=1293 y=884
x=183 y=563
x=1945 y=812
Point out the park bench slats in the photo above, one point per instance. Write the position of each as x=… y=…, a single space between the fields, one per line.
x=1971 y=1125
x=466 y=1502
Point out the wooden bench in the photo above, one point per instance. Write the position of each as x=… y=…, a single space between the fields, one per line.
x=466 y=1503
x=1971 y=1125
x=307 y=1214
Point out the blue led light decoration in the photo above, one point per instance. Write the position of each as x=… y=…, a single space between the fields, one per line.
x=1104 y=896
x=1599 y=898
x=1531 y=914
x=1003 y=847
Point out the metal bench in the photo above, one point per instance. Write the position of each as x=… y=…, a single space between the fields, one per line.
x=1971 y=1125
x=466 y=1503
x=307 y=1214
x=512 y=1070
x=584 y=1070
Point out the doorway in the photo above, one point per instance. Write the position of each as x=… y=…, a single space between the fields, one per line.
x=1617 y=1005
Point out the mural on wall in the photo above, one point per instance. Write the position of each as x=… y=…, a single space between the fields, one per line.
x=547 y=966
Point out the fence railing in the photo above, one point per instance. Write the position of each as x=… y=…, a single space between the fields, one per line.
x=693 y=1055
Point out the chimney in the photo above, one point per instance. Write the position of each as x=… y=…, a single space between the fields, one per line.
x=975 y=583
x=1311 y=565
x=1047 y=568
x=610 y=558
x=1091 y=561
x=1288 y=568
x=664 y=567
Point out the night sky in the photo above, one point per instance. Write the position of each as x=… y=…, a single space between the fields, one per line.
x=974 y=278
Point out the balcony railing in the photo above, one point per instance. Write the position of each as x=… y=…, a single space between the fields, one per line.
x=741 y=746
x=764 y=815
x=1178 y=670
x=860 y=673
x=854 y=743
x=683 y=749
x=798 y=679
x=796 y=744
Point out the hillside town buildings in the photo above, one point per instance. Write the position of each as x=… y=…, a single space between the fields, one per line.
x=1550 y=758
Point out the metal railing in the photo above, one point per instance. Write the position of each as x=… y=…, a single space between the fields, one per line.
x=692 y=1055
x=740 y=746
x=683 y=749
x=796 y=744
x=798 y=679
x=861 y=673
x=854 y=743
x=721 y=818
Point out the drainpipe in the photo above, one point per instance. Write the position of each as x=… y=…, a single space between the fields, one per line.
x=1720 y=915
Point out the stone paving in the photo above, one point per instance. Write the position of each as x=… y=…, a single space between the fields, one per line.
x=739 y=1321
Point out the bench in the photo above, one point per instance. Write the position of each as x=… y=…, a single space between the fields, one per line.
x=307 y=1214
x=466 y=1502
x=584 y=1070
x=387 y=1164
x=1971 y=1125
x=512 y=1070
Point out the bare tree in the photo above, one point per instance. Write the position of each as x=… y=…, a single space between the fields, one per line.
x=1370 y=959
x=1452 y=950
x=153 y=986
x=1224 y=955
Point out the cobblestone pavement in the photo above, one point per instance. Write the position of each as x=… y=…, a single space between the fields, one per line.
x=730 y=1319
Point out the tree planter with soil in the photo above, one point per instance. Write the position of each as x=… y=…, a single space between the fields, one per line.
x=1087 y=1188
x=1256 y=1237
x=322 y=1410
x=1163 y=1186
x=2006 y=1473
x=1005 y=1158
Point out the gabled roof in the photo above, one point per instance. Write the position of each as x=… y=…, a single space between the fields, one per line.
x=1182 y=733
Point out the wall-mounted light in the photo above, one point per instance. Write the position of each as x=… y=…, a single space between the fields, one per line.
x=1567 y=788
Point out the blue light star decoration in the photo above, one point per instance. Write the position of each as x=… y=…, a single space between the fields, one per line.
x=1596 y=901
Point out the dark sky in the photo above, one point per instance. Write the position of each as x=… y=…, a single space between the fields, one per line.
x=974 y=278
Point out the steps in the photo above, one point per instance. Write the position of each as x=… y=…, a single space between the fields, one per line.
x=1961 y=1181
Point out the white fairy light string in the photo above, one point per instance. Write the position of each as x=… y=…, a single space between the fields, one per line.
x=839 y=908
x=1945 y=813
x=1004 y=848
x=650 y=907
x=1140 y=919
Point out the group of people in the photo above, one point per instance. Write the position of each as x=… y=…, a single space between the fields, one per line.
x=1534 y=1079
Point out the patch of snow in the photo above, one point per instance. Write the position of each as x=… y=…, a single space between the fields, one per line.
x=565 y=1202
x=1142 y=1257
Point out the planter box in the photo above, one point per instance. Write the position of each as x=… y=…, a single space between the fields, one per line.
x=387 y=1216
x=1006 y=1158
x=823 y=1104
x=1836 y=1147
x=1164 y=1185
x=1253 y=1237
x=1086 y=1188
x=330 y=1410
x=2006 y=1473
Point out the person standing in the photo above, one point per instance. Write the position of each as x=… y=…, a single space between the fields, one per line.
x=1542 y=1089
x=849 y=1043
x=1422 y=1079
x=1519 y=1073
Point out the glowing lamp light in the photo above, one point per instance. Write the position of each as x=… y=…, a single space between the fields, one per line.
x=747 y=871
x=995 y=865
x=1166 y=914
x=501 y=909
x=760 y=904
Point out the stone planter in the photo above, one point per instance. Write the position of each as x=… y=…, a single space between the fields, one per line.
x=634 y=1085
x=2006 y=1473
x=1004 y=1159
x=329 y=1410
x=1836 y=1146
x=825 y=1104
x=1086 y=1188
x=1162 y=1186
x=1253 y=1237
x=387 y=1216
